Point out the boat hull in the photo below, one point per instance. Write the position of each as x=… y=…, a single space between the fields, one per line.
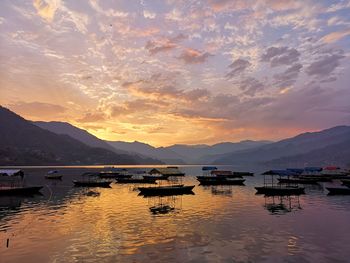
x=91 y=184
x=166 y=190
x=338 y=191
x=266 y=190
x=135 y=181
x=29 y=190
x=221 y=182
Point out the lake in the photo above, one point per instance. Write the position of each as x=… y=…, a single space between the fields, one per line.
x=216 y=224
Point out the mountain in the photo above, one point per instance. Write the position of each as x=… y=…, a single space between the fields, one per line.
x=185 y=154
x=74 y=132
x=305 y=145
x=23 y=143
x=160 y=153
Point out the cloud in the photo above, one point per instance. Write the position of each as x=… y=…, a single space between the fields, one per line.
x=92 y=117
x=251 y=86
x=325 y=64
x=288 y=77
x=237 y=67
x=335 y=36
x=193 y=56
x=164 y=44
x=149 y=14
x=47 y=9
x=278 y=56
x=37 y=109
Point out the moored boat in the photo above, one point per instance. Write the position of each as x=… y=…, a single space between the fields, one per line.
x=53 y=175
x=20 y=190
x=282 y=190
x=136 y=180
x=166 y=190
x=297 y=180
x=156 y=177
x=220 y=181
x=91 y=183
x=338 y=190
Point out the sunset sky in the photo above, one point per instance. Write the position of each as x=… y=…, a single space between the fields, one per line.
x=174 y=71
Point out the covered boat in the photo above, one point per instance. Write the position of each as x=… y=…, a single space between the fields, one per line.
x=169 y=171
x=209 y=168
x=272 y=188
x=12 y=182
x=53 y=175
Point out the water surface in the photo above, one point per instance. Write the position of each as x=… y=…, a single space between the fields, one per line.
x=216 y=224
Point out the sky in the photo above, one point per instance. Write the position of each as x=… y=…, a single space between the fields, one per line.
x=178 y=71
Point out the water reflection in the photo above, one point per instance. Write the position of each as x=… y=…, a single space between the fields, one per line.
x=280 y=205
x=164 y=204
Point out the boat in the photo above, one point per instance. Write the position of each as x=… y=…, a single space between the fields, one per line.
x=53 y=175
x=166 y=190
x=270 y=188
x=345 y=182
x=298 y=180
x=156 y=177
x=169 y=171
x=319 y=178
x=220 y=181
x=20 y=190
x=283 y=190
x=91 y=183
x=136 y=180
x=242 y=174
x=209 y=168
x=12 y=182
x=338 y=190
x=114 y=175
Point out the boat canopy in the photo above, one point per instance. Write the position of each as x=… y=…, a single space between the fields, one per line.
x=331 y=168
x=280 y=172
x=52 y=172
x=209 y=168
x=220 y=172
x=11 y=172
x=165 y=171
x=296 y=170
x=313 y=169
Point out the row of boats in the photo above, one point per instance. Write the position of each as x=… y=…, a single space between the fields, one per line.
x=288 y=180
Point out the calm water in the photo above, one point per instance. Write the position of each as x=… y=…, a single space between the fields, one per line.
x=217 y=224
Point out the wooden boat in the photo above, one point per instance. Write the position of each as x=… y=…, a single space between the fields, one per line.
x=85 y=183
x=297 y=180
x=242 y=174
x=53 y=176
x=338 y=191
x=220 y=181
x=20 y=190
x=136 y=180
x=156 y=177
x=166 y=190
x=279 y=190
x=113 y=175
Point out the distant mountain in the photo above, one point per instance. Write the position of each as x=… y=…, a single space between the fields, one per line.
x=160 y=153
x=305 y=145
x=185 y=154
x=23 y=143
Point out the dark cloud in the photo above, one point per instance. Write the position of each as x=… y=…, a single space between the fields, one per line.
x=326 y=64
x=278 y=56
x=289 y=76
x=193 y=56
x=250 y=86
x=237 y=67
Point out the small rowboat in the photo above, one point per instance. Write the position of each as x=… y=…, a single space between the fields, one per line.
x=91 y=183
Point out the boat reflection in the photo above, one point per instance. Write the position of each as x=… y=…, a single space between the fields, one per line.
x=164 y=204
x=280 y=205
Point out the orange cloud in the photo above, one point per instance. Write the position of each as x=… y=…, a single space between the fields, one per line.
x=335 y=36
x=46 y=9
